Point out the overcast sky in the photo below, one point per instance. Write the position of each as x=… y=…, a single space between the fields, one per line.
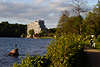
x=26 y=11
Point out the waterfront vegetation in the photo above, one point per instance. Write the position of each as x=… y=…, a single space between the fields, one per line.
x=73 y=33
x=49 y=33
x=63 y=51
x=66 y=51
x=46 y=37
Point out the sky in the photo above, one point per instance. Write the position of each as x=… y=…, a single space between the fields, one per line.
x=27 y=11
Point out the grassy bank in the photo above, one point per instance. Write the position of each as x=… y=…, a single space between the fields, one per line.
x=45 y=37
x=97 y=45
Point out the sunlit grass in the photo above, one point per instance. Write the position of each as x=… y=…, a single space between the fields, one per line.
x=97 y=45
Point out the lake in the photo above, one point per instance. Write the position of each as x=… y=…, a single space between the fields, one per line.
x=25 y=46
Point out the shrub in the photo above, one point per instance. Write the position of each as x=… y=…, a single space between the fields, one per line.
x=36 y=61
x=66 y=51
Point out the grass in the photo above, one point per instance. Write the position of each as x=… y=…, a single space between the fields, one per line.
x=97 y=45
x=46 y=37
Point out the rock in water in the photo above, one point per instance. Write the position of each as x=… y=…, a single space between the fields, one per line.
x=14 y=53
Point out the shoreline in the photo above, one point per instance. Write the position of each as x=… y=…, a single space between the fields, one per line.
x=30 y=38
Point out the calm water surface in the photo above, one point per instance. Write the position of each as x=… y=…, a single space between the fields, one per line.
x=30 y=46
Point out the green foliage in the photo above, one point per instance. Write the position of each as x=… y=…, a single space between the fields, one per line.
x=62 y=20
x=92 y=21
x=12 y=30
x=51 y=32
x=36 y=61
x=23 y=35
x=98 y=38
x=31 y=32
x=71 y=25
x=43 y=34
x=66 y=51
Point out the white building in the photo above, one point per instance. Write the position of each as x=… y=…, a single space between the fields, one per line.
x=37 y=26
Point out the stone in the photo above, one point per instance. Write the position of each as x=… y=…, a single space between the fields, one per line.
x=14 y=53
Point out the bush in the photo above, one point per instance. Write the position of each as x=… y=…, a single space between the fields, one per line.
x=36 y=61
x=66 y=51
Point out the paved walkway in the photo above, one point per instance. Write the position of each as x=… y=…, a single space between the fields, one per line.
x=93 y=57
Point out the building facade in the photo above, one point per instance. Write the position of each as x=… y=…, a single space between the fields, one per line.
x=37 y=26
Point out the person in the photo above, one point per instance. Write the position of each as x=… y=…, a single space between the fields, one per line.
x=91 y=43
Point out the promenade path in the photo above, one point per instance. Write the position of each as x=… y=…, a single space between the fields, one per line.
x=92 y=58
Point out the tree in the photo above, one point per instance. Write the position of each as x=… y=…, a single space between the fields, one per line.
x=79 y=6
x=31 y=32
x=72 y=25
x=11 y=30
x=52 y=30
x=68 y=24
x=63 y=18
x=42 y=33
x=93 y=21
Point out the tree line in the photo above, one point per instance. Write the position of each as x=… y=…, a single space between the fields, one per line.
x=20 y=30
x=79 y=25
x=12 y=30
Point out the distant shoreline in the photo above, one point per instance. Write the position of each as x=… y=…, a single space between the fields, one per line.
x=30 y=38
